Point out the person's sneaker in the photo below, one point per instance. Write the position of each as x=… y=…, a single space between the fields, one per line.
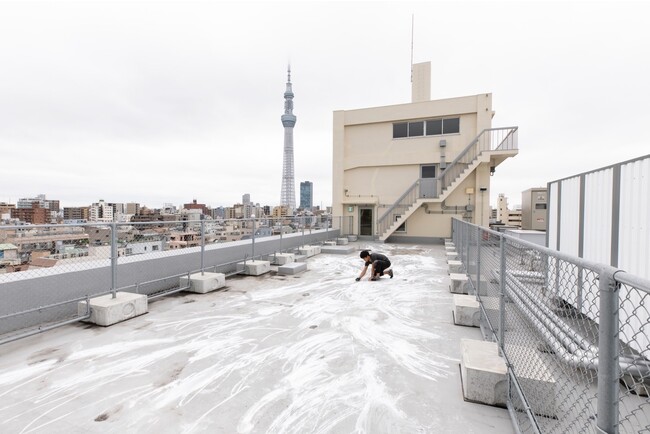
x=374 y=278
x=390 y=273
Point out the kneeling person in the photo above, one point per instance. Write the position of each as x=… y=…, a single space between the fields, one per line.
x=380 y=265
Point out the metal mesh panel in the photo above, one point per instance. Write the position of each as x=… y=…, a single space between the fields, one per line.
x=544 y=310
x=54 y=267
x=634 y=404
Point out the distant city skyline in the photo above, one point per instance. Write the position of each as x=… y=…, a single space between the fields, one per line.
x=48 y=202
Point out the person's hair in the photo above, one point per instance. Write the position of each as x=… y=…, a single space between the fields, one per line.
x=363 y=254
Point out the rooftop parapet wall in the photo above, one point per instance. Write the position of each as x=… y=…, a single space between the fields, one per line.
x=30 y=289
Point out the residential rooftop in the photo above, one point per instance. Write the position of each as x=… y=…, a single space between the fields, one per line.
x=315 y=352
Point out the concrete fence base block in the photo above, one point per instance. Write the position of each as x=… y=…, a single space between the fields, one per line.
x=253 y=268
x=300 y=258
x=202 y=284
x=339 y=250
x=329 y=243
x=292 y=268
x=455 y=266
x=449 y=244
x=483 y=372
x=535 y=379
x=452 y=255
x=282 y=258
x=106 y=310
x=450 y=248
x=342 y=241
x=309 y=251
x=352 y=238
x=458 y=283
x=491 y=306
x=466 y=310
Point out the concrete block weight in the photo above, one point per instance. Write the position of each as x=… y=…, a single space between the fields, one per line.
x=106 y=310
x=203 y=283
x=253 y=268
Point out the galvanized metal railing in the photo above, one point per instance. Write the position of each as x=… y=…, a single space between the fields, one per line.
x=143 y=257
x=491 y=139
x=574 y=333
x=400 y=206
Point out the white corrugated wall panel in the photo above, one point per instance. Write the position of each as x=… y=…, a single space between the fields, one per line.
x=552 y=216
x=598 y=216
x=634 y=218
x=570 y=216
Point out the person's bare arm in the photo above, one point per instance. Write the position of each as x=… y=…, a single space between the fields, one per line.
x=363 y=272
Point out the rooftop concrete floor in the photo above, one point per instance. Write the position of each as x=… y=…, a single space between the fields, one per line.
x=312 y=353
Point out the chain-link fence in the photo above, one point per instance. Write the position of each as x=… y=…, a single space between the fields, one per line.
x=46 y=270
x=574 y=334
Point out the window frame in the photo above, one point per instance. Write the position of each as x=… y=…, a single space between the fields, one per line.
x=426 y=125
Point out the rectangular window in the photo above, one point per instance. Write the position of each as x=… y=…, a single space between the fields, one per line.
x=400 y=130
x=451 y=126
x=540 y=206
x=428 y=171
x=416 y=129
x=434 y=127
x=402 y=227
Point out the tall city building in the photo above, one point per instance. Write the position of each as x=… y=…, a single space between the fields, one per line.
x=76 y=213
x=101 y=212
x=132 y=208
x=288 y=196
x=306 y=195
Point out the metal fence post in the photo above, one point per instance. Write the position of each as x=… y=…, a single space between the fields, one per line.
x=469 y=245
x=202 y=243
x=608 y=354
x=114 y=259
x=281 y=232
x=302 y=223
x=557 y=276
x=502 y=292
x=478 y=261
x=253 y=242
x=580 y=288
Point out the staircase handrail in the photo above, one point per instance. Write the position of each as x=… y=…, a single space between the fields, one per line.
x=509 y=138
x=382 y=224
x=507 y=141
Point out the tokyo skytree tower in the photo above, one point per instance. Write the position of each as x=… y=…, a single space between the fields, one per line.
x=288 y=196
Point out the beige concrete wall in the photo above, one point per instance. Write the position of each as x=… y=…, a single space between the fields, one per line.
x=422 y=224
x=421 y=82
x=371 y=168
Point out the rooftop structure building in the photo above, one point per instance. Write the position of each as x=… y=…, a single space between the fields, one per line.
x=430 y=160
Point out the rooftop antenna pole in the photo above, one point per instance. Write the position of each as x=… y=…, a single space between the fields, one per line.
x=412 y=25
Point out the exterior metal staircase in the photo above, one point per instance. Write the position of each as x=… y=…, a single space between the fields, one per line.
x=438 y=189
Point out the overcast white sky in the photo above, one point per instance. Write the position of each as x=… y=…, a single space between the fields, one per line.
x=156 y=102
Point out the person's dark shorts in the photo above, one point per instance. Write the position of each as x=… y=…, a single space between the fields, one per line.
x=380 y=266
